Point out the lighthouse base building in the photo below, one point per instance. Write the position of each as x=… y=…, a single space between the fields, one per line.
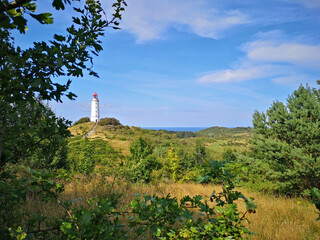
x=95 y=108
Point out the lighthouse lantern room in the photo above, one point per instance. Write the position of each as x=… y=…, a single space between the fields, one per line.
x=95 y=108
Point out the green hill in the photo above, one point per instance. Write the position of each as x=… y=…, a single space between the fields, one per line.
x=223 y=132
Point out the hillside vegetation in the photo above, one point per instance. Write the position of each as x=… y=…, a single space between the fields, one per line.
x=296 y=216
x=120 y=138
x=124 y=182
x=223 y=132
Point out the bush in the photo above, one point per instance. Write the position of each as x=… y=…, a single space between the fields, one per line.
x=82 y=120
x=84 y=154
x=141 y=170
x=92 y=218
x=141 y=148
x=109 y=121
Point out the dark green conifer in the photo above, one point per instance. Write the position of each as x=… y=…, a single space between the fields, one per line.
x=287 y=138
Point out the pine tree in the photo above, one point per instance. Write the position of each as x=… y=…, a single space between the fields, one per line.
x=287 y=139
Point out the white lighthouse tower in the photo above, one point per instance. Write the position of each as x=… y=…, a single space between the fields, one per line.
x=95 y=108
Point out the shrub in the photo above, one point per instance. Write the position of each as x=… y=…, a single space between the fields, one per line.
x=82 y=120
x=84 y=154
x=141 y=148
x=141 y=170
x=109 y=121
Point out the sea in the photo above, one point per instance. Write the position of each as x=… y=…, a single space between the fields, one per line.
x=177 y=129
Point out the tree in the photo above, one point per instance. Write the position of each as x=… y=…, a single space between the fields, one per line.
x=200 y=152
x=287 y=139
x=35 y=136
x=142 y=161
x=29 y=74
x=173 y=164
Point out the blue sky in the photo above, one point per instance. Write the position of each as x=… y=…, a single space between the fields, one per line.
x=195 y=63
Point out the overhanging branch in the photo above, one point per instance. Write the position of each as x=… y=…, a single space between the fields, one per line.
x=12 y=5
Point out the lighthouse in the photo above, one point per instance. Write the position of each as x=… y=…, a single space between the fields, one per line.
x=95 y=108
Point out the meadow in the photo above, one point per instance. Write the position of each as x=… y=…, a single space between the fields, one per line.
x=277 y=217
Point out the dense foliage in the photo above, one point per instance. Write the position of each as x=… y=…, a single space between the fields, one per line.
x=82 y=120
x=223 y=221
x=84 y=155
x=109 y=121
x=181 y=134
x=34 y=136
x=224 y=132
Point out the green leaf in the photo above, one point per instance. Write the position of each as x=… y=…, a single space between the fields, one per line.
x=58 y=4
x=66 y=227
x=43 y=18
x=59 y=38
x=31 y=7
x=251 y=204
x=5 y=21
x=85 y=219
x=20 y=22
x=156 y=230
x=202 y=179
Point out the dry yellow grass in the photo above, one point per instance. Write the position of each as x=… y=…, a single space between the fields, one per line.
x=113 y=140
x=81 y=129
x=277 y=218
x=284 y=218
x=123 y=146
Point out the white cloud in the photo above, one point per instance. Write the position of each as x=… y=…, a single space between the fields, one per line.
x=291 y=79
x=290 y=52
x=234 y=75
x=150 y=19
x=285 y=61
